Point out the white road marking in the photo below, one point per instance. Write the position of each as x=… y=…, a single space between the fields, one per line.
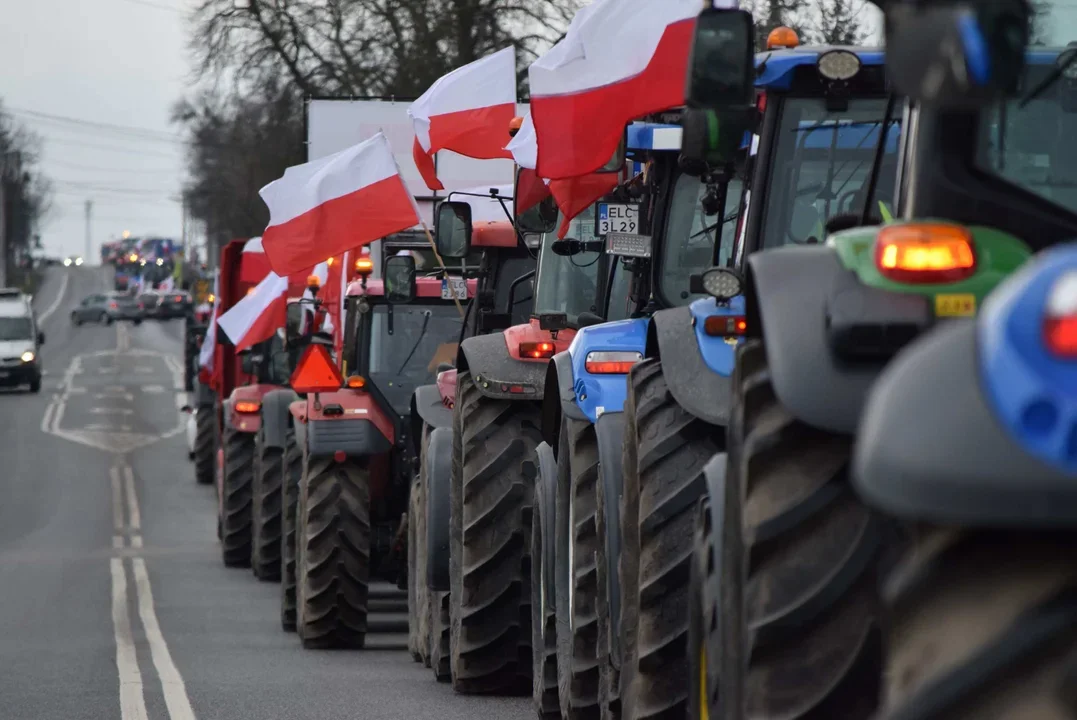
x=132 y=700
x=133 y=510
x=55 y=303
x=136 y=541
x=117 y=542
x=111 y=411
x=117 y=499
x=153 y=388
x=112 y=396
x=175 y=692
x=47 y=417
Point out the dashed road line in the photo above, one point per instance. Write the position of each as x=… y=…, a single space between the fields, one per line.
x=134 y=513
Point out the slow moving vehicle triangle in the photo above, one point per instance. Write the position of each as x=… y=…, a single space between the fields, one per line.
x=315 y=372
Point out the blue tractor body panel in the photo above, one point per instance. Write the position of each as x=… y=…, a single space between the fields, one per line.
x=601 y=393
x=718 y=352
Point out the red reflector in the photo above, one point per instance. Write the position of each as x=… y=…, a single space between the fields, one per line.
x=536 y=350
x=248 y=406
x=315 y=372
x=719 y=326
x=1060 y=334
x=925 y=253
x=178 y=298
x=761 y=102
x=611 y=362
x=113 y=305
x=340 y=456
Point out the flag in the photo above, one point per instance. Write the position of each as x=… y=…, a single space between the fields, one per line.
x=209 y=343
x=524 y=144
x=258 y=315
x=467 y=111
x=166 y=285
x=253 y=264
x=619 y=60
x=328 y=206
x=574 y=195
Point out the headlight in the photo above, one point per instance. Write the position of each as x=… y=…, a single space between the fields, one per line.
x=722 y=283
x=27 y=356
x=67 y=262
x=78 y=261
x=838 y=65
x=160 y=262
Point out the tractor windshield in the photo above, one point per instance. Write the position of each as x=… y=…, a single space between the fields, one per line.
x=1032 y=146
x=568 y=284
x=423 y=337
x=820 y=167
x=688 y=246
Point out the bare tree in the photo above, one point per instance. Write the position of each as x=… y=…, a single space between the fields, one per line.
x=27 y=192
x=837 y=22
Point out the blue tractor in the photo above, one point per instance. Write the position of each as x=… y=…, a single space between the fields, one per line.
x=622 y=471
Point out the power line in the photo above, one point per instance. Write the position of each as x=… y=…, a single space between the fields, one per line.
x=101 y=169
x=127 y=130
x=110 y=148
x=158 y=6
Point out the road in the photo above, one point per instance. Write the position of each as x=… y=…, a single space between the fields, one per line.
x=115 y=603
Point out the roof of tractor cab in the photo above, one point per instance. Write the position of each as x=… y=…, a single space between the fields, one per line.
x=493 y=233
x=774 y=68
x=425 y=287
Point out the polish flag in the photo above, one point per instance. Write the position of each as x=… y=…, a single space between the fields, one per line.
x=166 y=285
x=328 y=206
x=467 y=111
x=253 y=266
x=619 y=60
x=209 y=343
x=258 y=315
x=574 y=195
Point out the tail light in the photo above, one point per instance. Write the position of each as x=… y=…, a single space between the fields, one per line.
x=925 y=253
x=113 y=305
x=537 y=350
x=611 y=362
x=356 y=382
x=248 y=406
x=178 y=298
x=1060 y=325
x=725 y=326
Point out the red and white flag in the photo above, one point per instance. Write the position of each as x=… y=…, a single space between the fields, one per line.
x=209 y=343
x=619 y=60
x=258 y=315
x=332 y=205
x=254 y=265
x=467 y=111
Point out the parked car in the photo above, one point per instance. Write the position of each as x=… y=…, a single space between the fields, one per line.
x=148 y=303
x=174 y=304
x=20 y=346
x=107 y=308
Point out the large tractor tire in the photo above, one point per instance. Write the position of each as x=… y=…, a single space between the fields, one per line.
x=266 y=511
x=205 y=445
x=292 y=474
x=490 y=534
x=544 y=688
x=810 y=565
x=440 y=636
x=668 y=481
x=576 y=581
x=704 y=623
x=333 y=554
x=983 y=624
x=420 y=608
x=609 y=706
x=236 y=486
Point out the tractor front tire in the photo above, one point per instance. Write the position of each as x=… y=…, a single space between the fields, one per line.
x=236 y=486
x=292 y=473
x=333 y=554
x=266 y=511
x=205 y=445
x=419 y=603
x=490 y=533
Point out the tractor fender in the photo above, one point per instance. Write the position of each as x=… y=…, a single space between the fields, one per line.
x=931 y=448
x=786 y=302
x=609 y=431
x=246 y=422
x=275 y=417
x=546 y=500
x=598 y=393
x=696 y=366
x=438 y=477
x=354 y=438
x=204 y=395
x=496 y=372
x=298 y=410
x=559 y=398
x=427 y=407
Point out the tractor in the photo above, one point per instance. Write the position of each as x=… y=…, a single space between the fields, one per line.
x=784 y=612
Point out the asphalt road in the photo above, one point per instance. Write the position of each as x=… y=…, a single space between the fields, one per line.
x=113 y=599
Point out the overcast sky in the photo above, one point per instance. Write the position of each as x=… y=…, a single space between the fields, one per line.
x=111 y=62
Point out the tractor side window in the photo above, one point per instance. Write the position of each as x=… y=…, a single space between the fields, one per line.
x=620 y=304
x=568 y=284
x=523 y=296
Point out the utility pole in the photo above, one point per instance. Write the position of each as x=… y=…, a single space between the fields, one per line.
x=89 y=213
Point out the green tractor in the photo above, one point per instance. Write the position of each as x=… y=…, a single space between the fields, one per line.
x=785 y=613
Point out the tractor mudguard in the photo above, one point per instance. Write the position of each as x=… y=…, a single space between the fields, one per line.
x=427 y=407
x=546 y=500
x=609 y=431
x=696 y=366
x=275 y=416
x=355 y=438
x=204 y=395
x=787 y=291
x=560 y=400
x=931 y=448
x=438 y=477
x=246 y=422
x=497 y=373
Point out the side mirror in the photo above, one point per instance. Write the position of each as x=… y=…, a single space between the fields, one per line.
x=616 y=162
x=721 y=62
x=399 y=274
x=711 y=138
x=453 y=230
x=41 y=338
x=956 y=57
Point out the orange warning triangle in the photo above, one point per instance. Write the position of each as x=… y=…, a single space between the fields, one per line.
x=316 y=372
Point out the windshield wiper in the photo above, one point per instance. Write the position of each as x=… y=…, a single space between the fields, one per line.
x=723 y=221
x=422 y=334
x=1052 y=77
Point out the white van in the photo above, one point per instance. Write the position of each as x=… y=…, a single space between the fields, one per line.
x=20 y=344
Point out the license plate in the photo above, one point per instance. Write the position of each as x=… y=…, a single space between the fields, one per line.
x=628 y=245
x=614 y=217
x=453 y=288
x=955 y=305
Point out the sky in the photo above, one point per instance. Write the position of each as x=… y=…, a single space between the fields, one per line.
x=96 y=80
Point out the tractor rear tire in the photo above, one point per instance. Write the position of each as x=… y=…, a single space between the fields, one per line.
x=576 y=581
x=810 y=566
x=983 y=624
x=333 y=554
x=674 y=445
x=236 y=486
x=292 y=473
x=704 y=618
x=490 y=534
x=608 y=677
x=544 y=689
x=266 y=511
x=420 y=608
x=440 y=634
x=205 y=445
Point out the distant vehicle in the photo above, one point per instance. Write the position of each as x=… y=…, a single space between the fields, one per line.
x=15 y=295
x=174 y=304
x=107 y=308
x=20 y=343
x=70 y=260
x=148 y=303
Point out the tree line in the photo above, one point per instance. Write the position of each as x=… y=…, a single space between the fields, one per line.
x=256 y=60
x=24 y=191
